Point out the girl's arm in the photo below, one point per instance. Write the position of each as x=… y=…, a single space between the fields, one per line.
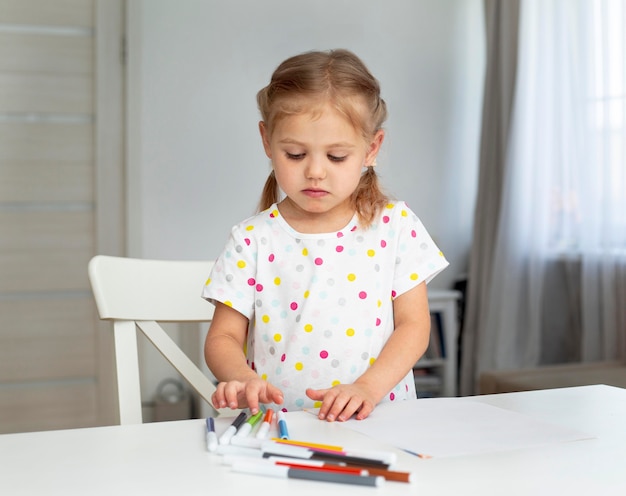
x=239 y=385
x=405 y=346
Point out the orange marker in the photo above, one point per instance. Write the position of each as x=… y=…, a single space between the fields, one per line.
x=265 y=426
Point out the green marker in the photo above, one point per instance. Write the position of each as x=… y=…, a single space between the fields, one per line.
x=246 y=428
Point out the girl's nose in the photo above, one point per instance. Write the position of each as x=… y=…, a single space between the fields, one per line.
x=315 y=168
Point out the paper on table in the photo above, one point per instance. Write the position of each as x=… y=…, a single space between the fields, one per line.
x=448 y=427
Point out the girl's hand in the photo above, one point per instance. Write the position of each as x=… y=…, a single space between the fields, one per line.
x=238 y=394
x=343 y=401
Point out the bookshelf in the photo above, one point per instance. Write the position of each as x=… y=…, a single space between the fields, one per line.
x=436 y=372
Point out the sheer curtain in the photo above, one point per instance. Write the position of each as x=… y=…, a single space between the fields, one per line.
x=547 y=280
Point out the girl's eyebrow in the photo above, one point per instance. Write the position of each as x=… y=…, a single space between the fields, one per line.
x=340 y=144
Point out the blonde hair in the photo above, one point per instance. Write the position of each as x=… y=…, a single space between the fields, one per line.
x=305 y=82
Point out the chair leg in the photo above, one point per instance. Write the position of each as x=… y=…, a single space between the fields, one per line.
x=127 y=365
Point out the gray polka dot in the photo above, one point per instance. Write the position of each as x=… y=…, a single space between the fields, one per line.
x=321 y=242
x=328 y=333
x=365 y=355
x=330 y=282
x=342 y=302
x=229 y=278
x=299 y=268
x=259 y=303
x=272 y=350
x=238 y=248
x=424 y=246
x=334 y=364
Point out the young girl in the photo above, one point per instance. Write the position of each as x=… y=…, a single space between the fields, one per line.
x=320 y=299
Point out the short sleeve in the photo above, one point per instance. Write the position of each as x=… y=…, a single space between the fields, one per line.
x=232 y=280
x=418 y=258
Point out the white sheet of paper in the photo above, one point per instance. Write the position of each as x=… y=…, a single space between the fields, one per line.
x=443 y=427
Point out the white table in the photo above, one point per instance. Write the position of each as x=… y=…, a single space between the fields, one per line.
x=171 y=457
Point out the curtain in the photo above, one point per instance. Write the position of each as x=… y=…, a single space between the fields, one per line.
x=547 y=279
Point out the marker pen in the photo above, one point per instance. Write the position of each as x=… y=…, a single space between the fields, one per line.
x=232 y=428
x=211 y=437
x=265 y=426
x=282 y=425
x=246 y=428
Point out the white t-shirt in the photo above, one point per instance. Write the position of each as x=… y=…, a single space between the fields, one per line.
x=320 y=306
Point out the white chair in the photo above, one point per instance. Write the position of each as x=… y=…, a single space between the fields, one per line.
x=137 y=294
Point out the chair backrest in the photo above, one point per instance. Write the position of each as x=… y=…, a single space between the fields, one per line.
x=138 y=294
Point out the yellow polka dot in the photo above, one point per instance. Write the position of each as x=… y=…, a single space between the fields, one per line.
x=350 y=332
x=372 y=360
x=249 y=228
x=308 y=328
x=379 y=303
x=299 y=366
x=414 y=277
x=404 y=213
x=335 y=383
x=264 y=377
x=390 y=206
x=228 y=303
x=305 y=252
x=241 y=264
x=441 y=254
x=317 y=404
x=277 y=281
x=351 y=277
x=277 y=337
x=371 y=253
x=307 y=293
x=208 y=281
x=275 y=213
x=265 y=318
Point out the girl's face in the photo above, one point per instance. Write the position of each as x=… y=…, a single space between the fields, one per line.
x=318 y=160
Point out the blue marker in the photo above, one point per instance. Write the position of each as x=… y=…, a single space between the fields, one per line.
x=211 y=437
x=282 y=425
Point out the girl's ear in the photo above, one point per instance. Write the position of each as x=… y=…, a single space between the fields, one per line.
x=266 y=139
x=374 y=147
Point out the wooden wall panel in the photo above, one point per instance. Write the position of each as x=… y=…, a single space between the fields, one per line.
x=45 y=142
x=46 y=182
x=46 y=93
x=39 y=406
x=43 y=53
x=47 y=338
x=47 y=12
x=45 y=251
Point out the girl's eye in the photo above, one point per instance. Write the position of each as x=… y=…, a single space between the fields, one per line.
x=334 y=158
x=294 y=156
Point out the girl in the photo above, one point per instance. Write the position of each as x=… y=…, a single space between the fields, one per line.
x=320 y=299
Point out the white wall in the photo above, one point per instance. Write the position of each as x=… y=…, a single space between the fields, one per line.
x=196 y=164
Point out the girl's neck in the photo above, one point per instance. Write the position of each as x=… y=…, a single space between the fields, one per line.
x=312 y=222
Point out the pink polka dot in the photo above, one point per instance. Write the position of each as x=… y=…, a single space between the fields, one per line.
x=294 y=305
x=319 y=261
x=323 y=354
x=282 y=358
x=386 y=219
x=247 y=240
x=383 y=243
x=413 y=233
x=340 y=235
x=259 y=287
x=393 y=294
x=271 y=257
x=251 y=282
x=339 y=248
x=362 y=295
x=392 y=396
x=353 y=229
x=378 y=322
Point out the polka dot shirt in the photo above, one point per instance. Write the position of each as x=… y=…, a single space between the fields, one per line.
x=320 y=306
